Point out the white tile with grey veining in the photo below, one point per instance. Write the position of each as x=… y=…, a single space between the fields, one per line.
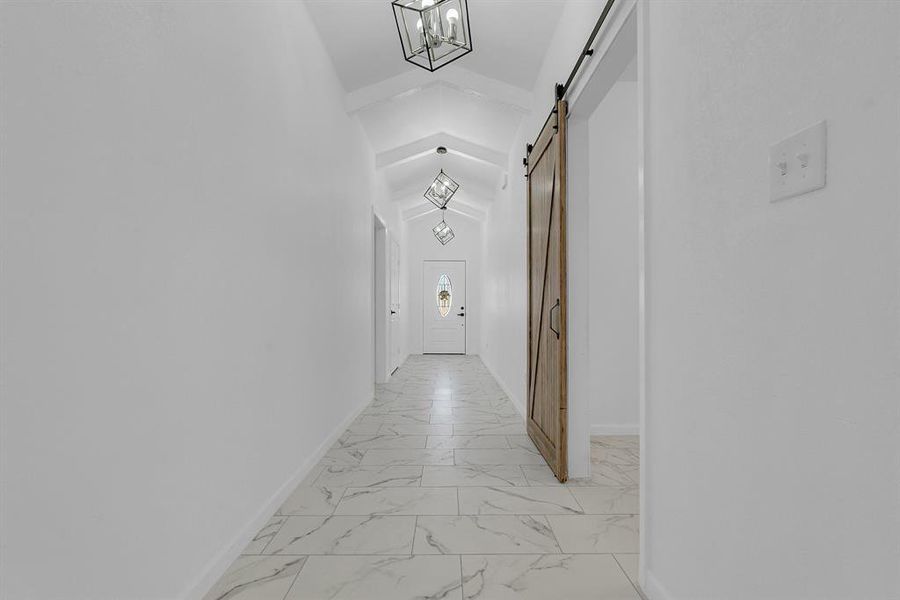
x=366 y=442
x=494 y=456
x=264 y=536
x=608 y=500
x=390 y=387
x=476 y=409
x=312 y=500
x=399 y=501
x=544 y=577
x=406 y=416
x=344 y=535
x=517 y=501
x=408 y=456
x=426 y=393
x=483 y=403
x=613 y=456
x=467 y=441
x=616 y=441
x=609 y=474
x=633 y=472
x=439 y=408
x=415 y=429
x=257 y=578
x=493 y=534
x=365 y=424
x=378 y=578
x=341 y=456
x=495 y=475
x=489 y=429
x=405 y=404
x=596 y=533
x=629 y=564
x=461 y=419
x=366 y=476
x=541 y=475
x=440 y=462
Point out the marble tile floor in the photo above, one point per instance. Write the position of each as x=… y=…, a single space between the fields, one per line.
x=436 y=492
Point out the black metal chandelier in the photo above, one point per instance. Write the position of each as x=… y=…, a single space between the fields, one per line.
x=441 y=190
x=442 y=231
x=433 y=33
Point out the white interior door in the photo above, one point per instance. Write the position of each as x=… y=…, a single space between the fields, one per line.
x=444 y=307
x=394 y=305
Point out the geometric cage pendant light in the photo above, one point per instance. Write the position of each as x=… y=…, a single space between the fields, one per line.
x=433 y=33
x=442 y=231
x=441 y=190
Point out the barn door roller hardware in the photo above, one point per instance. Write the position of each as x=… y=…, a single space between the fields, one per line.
x=561 y=89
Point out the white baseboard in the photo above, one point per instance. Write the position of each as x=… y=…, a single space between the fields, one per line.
x=653 y=589
x=615 y=429
x=216 y=567
x=520 y=406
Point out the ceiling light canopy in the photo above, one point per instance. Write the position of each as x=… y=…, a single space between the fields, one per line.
x=443 y=232
x=441 y=190
x=433 y=33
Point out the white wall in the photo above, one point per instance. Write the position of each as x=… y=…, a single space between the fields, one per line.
x=774 y=329
x=613 y=256
x=421 y=245
x=186 y=315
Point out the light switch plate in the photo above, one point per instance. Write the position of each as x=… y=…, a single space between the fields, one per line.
x=797 y=164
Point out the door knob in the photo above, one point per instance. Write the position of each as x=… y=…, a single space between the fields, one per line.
x=393 y=312
x=460 y=314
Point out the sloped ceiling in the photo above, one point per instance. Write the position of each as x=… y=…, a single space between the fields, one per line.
x=472 y=107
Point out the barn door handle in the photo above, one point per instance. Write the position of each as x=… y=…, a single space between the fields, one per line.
x=554 y=318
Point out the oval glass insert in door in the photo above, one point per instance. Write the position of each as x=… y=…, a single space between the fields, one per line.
x=444 y=295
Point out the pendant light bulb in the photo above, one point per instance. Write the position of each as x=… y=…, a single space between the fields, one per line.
x=432 y=24
x=453 y=20
x=421 y=31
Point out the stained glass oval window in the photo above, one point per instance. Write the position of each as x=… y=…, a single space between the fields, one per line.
x=444 y=295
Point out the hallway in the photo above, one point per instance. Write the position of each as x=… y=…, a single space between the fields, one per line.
x=237 y=238
x=435 y=491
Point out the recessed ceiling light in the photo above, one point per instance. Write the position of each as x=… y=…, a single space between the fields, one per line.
x=442 y=150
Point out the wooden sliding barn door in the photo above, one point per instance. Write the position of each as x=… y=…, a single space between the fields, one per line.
x=546 y=168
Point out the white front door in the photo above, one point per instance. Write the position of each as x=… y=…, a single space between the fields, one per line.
x=395 y=305
x=444 y=307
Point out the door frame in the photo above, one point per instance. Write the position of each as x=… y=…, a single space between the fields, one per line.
x=422 y=291
x=381 y=320
x=624 y=13
x=395 y=338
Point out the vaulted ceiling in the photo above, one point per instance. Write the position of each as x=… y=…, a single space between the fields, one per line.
x=472 y=107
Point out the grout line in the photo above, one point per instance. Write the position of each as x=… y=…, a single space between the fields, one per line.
x=277 y=531
x=633 y=584
x=412 y=545
x=575 y=498
x=296 y=577
x=341 y=499
x=479 y=553
x=553 y=533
